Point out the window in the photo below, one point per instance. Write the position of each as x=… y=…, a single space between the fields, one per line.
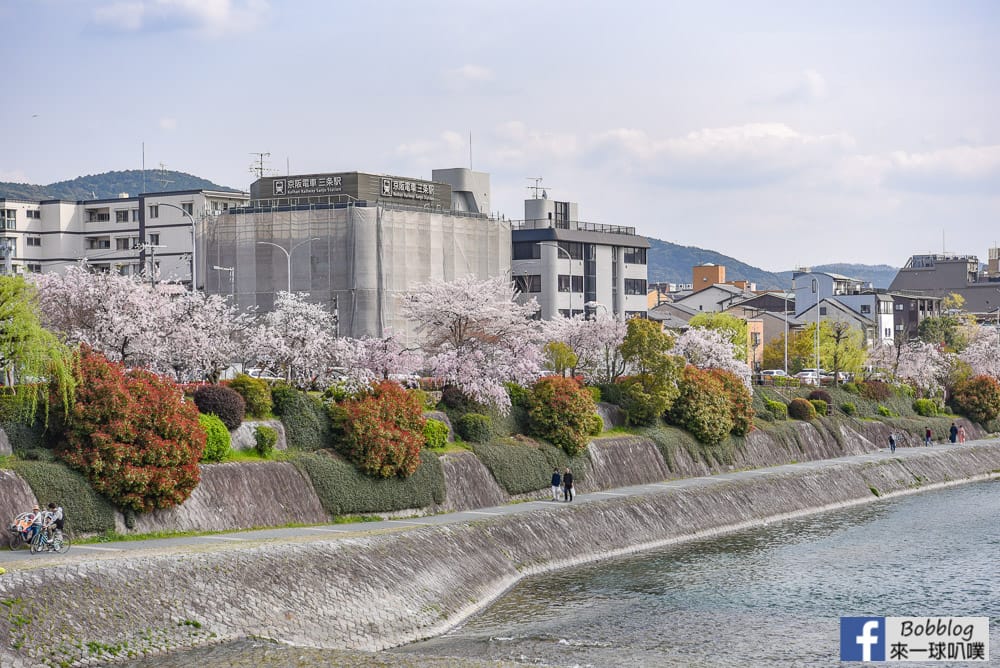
x=899 y=307
x=154 y=239
x=121 y=216
x=528 y=283
x=526 y=250
x=187 y=207
x=154 y=211
x=888 y=332
x=574 y=248
x=564 y=283
x=33 y=213
x=33 y=268
x=33 y=241
x=635 y=255
x=96 y=243
x=9 y=217
x=635 y=314
x=123 y=243
x=635 y=286
x=866 y=308
x=94 y=216
x=822 y=310
x=135 y=215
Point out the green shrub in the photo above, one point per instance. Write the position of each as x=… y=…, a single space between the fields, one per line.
x=778 y=409
x=519 y=467
x=132 y=435
x=822 y=395
x=562 y=411
x=851 y=388
x=53 y=482
x=702 y=407
x=801 y=409
x=435 y=433
x=475 y=427
x=519 y=396
x=925 y=407
x=595 y=393
x=884 y=411
x=819 y=405
x=977 y=398
x=265 y=438
x=612 y=393
x=344 y=490
x=256 y=394
x=384 y=431
x=305 y=418
x=848 y=408
x=218 y=442
x=222 y=401
x=740 y=401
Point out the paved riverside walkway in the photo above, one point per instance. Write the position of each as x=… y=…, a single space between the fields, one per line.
x=24 y=559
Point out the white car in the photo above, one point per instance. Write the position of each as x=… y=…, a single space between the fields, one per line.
x=808 y=377
x=773 y=372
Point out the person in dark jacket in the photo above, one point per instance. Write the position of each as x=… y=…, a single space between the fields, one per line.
x=567 y=480
x=953 y=433
x=892 y=442
x=556 y=483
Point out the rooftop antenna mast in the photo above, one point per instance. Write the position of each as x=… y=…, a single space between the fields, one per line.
x=163 y=177
x=258 y=166
x=538 y=186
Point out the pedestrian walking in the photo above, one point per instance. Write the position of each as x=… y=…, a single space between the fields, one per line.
x=892 y=442
x=927 y=436
x=961 y=434
x=953 y=433
x=556 y=483
x=567 y=480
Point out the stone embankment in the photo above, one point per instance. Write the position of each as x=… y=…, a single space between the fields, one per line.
x=380 y=591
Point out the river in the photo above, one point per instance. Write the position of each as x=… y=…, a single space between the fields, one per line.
x=770 y=596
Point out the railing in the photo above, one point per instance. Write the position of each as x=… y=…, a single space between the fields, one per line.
x=99 y=218
x=338 y=202
x=546 y=223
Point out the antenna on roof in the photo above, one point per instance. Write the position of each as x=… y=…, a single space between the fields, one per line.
x=258 y=166
x=162 y=178
x=538 y=186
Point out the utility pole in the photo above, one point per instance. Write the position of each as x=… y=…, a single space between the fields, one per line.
x=258 y=167
x=146 y=246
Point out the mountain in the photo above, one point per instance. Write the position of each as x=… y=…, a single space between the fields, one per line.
x=671 y=263
x=110 y=185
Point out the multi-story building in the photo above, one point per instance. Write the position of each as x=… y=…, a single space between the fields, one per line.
x=149 y=234
x=941 y=274
x=574 y=267
x=356 y=242
x=844 y=299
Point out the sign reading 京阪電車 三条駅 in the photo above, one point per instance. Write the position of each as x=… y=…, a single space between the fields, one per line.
x=356 y=185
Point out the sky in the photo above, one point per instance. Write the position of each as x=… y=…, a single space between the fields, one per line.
x=784 y=134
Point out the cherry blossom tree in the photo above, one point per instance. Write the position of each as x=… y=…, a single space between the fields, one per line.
x=208 y=333
x=983 y=352
x=298 y=340
x=924 y=366
x=712 y=349
x=380 y=359
x=476 y=336
x=596 y=343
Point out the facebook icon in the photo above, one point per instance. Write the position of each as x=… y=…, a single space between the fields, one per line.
x=862 y=638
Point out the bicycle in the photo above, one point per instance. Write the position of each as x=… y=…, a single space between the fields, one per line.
x=17 y=528
x=50 y=539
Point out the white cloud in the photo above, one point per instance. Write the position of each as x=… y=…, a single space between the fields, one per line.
x=211 y=17
x=473 y=73
x=168 y=123
x=802 y=88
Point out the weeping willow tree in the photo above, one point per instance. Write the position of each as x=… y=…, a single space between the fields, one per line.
x=32 y=359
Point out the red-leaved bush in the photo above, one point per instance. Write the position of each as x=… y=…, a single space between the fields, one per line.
x=132 y=435
x=978 y=398
x=384 y=431
x=740 y=401
x=562 y=410
x=702 y=407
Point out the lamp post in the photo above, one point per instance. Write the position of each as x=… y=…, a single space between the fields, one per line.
x=786 y=326
x=288 y=255
x=815 y=289
x=194 y=244
x=596 y=305
x=570 y=258
x=232 y=280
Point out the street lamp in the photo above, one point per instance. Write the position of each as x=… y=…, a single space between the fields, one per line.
x=596 y=305
x=815 y=289
x=786 y=326
x=570 y=258
x=194 y=244
x=232 y=279
x=288 y=255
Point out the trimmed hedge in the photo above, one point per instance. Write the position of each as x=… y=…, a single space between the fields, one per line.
x=977 y=398
x=305 y=418
x=778 y=409
x=87 y=512
x=525 y=466
x=703 y=406
x=218 y=441
x=849 y=408
x=822 y=395
x=475 y=427
x=820 y=406
x=383 y=430
x=256 y=394
x=801 y=409
x=435 y=433
x=562 y=411
x=265 y=439
x=343 y=490
x=222 y=401
x=925 y=407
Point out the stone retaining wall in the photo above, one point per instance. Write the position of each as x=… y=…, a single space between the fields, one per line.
x=381 y=591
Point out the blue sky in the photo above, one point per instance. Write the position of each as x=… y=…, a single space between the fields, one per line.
x=781 y=133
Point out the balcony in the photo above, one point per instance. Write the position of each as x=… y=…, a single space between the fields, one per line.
x=545 y=223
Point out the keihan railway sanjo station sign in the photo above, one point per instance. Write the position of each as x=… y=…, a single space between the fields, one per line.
x=369 y=187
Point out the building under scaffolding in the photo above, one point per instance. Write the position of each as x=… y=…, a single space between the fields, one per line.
x=354 y=255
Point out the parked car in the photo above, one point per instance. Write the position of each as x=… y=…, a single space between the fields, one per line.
x=773 y=372
x=809 y=377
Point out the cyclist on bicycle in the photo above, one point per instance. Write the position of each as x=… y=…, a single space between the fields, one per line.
x=55 y=518
x=34 y=526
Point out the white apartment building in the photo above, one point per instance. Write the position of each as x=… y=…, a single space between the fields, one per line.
x=573 y=267
x=149 y=234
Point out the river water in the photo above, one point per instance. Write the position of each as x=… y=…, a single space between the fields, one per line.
x=770 y=596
